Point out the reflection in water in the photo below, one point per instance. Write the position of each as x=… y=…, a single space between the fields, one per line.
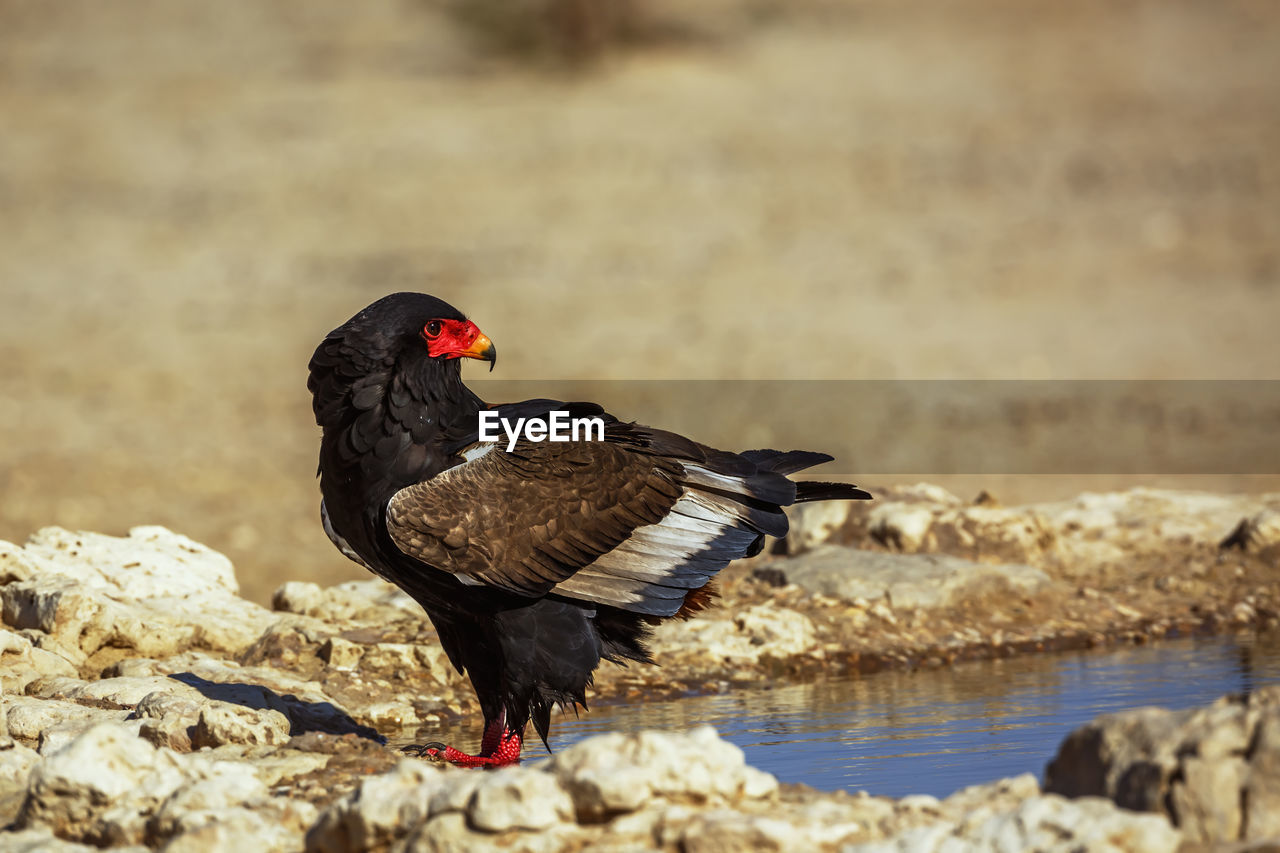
x=897 y=733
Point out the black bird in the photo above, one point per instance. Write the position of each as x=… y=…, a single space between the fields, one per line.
x=533 y=562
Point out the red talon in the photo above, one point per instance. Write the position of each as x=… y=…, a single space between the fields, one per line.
x=499 y=747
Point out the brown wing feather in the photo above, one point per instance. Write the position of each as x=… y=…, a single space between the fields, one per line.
x=525 y=520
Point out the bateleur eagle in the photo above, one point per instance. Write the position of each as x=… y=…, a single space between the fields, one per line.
x=535 y=563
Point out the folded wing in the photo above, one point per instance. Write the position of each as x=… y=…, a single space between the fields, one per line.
x=636 y=521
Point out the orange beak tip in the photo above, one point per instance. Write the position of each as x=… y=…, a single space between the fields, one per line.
x=483 y=349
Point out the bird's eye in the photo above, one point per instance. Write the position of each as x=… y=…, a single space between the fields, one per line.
x=432 y=329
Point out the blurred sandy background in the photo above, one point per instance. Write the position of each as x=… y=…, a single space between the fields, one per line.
x=193 y=193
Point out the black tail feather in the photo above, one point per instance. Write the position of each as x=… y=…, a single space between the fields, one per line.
x=785 y=462
x=816 y=491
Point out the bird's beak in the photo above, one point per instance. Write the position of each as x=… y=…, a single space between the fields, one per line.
x=482 y=348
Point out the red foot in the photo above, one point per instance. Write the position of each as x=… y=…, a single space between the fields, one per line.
x=499 y=747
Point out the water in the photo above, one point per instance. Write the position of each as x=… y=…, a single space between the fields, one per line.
x=935 y=731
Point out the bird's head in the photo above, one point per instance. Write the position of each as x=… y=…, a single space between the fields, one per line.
x=449 y=337
x=433 y=323
x=404 y=322
x=391 y=341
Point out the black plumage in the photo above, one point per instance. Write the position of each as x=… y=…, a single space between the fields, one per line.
x=532 y=564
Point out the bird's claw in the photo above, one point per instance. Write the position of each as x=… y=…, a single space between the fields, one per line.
x=431 y=751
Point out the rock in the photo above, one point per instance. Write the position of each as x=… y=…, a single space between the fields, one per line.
x=154 y=592
x=1144 y=514
x=168 y=712
x=1213 y=771
x=926 y=518
x=1128 y=757
x=752 y=633
x=44 y=841
x=222 y=723
x=100 y=788
x=924 y=493
x=285 y=764
x=536 y=808
x=1001 y=795
x=616 y=773
x=169 y=719
x=47 y=664
x=28 y=717
x=395 y=714
x=16 y=762
x=213 y=713
x=22 y=663
x=1090 y=530
x=1196 y=804
x=1262 y=780
x=517 y=798
x=303 y=702
x=299 y=597
x=383 y=809
x=449 y=833
x=812 y=524
x=15 y=653
x=1045 y=823
x=56 y=737
x=341 y=654
x=227 y=807
x=361 y=601
x=724 y=829
x=109 y=787
x=242 y=829
x=126 y=691
x=907 y=581
x=781 y=632
x=390 y=656
x=814 y=822
x=224 y=786
x=1258 y=532
x=904 y=528
x=134 y=668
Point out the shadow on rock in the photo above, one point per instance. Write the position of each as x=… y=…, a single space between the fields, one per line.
x=302 y=716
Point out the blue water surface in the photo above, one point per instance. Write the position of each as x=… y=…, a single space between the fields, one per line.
x=936 y=731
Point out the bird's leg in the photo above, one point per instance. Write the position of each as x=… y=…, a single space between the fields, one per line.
x=499 y=746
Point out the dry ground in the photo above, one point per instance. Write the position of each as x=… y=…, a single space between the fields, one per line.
x=191 y=194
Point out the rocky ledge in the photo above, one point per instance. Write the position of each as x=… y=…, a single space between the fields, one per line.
x=1209 y=780
x=146 y=704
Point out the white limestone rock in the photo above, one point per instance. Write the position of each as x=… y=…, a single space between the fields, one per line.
x=1045 y=823
x=21 y=663
x=383 y=809
x=30 y=718
x=518 y=798
x=812 y=524
x=44 y=841
x=759 y=630
x=222 y=723
x=16 y=762
x=1089 y=530
x=154 y=591
x=108 y=787
x=907 y=581
x=371 y=600
x=100 y=788
x=616 y=773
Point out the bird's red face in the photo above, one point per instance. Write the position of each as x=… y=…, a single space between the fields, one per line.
x=458 y=339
